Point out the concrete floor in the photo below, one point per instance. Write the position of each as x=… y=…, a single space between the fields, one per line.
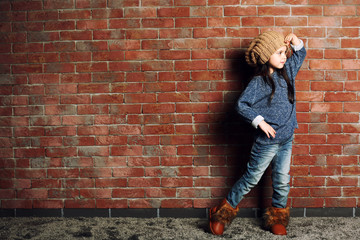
x=172 y=228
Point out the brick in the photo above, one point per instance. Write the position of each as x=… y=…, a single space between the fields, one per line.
x=50 y=204
x=91 y=24
x=351 y=107
x=189 y=44
x=128 y=193
x=351 y=64
x=224 y=22
x=325 y=21
x=42 y=36
x=30 y=173
x=140 y=98
x=93 y=88
x=177 y=203
x=59 y=25
x=91 y=67
x=307 y=10
x=241 y=11
x=93 y=151
x=161 y=129
x=20 y=27
x=108 y=77
x=144 y=182
x=339 y=202
x=341 y=97
x=24 y=47
x=325 y=43
x=343 y=160
x=326 y=107
x=343 y=32
x=74 y=14
x=75 y=57
x=109 y=34
x=343 y=117
x=75 y=78
x=26 y=5
x=124 y=66
x=257 y=21
x=352 y=86
x=223 y=2
x=126 y=87
x=32 y=193
x=319 y=2
x=224 y=43
x=80 y=203
x=59 y=68
x=95 y=193
x=324 y=192
x=351 y=150
x=258 y=2
x=90 y=4
x=140 y=55
x=308 y=181
x=325 y=149
x=308 y=202
x=327 y=86
x=339 y=10
x=191 y=3
x=291 y=21
x=351 y=191
x=12 y=204
x=126 y=151
x=206 y=11
x=341 y=181
x=111 y=182
x=190 y=22
x=124 y=172
x=42 y=15
x=351 y=22
x=107 y=13
x=91 y=46
x=110 y=162
x=213 y=32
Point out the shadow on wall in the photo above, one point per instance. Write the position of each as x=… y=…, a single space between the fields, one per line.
x=236 y=136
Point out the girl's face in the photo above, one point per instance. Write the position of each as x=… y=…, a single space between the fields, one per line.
x=278 y=59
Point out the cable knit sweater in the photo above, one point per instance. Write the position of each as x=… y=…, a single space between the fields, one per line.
x=253 y=104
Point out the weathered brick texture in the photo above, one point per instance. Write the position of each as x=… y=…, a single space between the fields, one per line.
x=129 y=103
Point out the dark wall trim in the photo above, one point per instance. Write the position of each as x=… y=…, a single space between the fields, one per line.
x=170 y=212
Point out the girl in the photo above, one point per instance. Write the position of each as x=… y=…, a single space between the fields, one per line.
x=268 y=104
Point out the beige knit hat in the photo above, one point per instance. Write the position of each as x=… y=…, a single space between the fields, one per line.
x=263 y=46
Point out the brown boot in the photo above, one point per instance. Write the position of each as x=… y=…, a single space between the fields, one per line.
x=276 y=220
x=221 y=216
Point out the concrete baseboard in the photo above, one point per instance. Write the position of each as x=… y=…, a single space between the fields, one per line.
x=170 y=212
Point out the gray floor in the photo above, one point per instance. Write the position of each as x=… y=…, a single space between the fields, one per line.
x=172 y=228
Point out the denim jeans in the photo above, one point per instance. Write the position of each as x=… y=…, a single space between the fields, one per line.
x=261 y=156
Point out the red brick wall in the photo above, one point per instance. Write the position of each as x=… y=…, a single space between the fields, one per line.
x=128 y=103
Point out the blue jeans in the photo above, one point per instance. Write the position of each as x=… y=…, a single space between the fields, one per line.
x=261 y=156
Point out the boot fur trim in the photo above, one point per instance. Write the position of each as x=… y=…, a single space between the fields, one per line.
x=275 y=215
x=224 y=213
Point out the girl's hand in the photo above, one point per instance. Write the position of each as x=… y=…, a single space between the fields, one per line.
x=267 y=129
x=292 y=38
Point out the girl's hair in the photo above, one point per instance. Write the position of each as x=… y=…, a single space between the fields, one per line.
x=263 y=70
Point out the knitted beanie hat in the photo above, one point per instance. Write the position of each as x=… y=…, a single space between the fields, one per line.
x=263 y=46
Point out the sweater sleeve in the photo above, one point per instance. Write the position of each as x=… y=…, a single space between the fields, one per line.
x=293 y=64
x=247 y=100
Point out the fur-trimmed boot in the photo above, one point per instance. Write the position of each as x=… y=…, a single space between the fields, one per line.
x=276 y=220
x=221 y=216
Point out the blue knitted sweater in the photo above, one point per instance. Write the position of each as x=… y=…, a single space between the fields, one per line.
x=280 y=113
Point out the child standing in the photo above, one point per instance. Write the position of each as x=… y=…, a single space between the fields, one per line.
x=268 y=104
